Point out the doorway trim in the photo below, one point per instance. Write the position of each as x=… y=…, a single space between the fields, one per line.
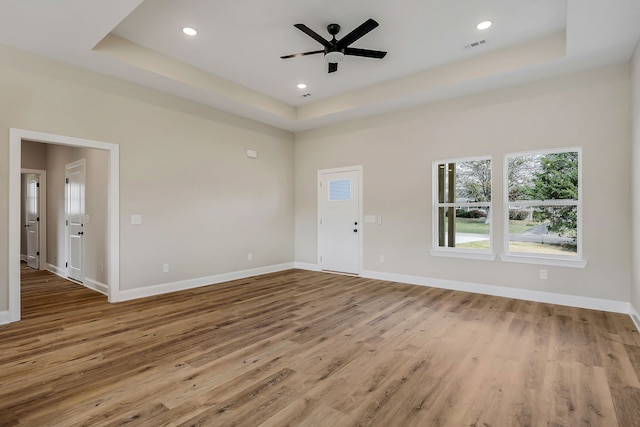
x=16 y=136
x=321 y=173
x=42 y=244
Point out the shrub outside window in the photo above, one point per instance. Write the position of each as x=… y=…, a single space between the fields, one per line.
x=543 y=206
x=462 y=206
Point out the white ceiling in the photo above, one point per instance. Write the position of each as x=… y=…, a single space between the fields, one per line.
x=234 y=62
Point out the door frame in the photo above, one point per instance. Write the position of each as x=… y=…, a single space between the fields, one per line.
x=358 y=170
x=16 y=136
x=42 y=206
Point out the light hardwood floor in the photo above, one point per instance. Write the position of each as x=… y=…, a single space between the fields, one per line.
x=313 y=349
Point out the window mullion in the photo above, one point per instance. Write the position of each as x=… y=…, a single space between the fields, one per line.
x=451 y=209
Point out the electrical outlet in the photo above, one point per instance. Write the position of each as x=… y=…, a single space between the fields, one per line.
x=165 y=268
x=249 y=257
x=543 y=274
x=381 y=258
x=101 y=267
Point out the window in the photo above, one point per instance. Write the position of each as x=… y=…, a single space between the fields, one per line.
x=340 y=190
x=543 y=208
x=462 y=208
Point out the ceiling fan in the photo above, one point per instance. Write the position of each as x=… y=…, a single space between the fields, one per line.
x=335 y=50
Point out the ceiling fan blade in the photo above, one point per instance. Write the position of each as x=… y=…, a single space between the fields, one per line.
x=295 y=55
x=317 y=37
x=354 y=35
x=378 y=54
x=333 y=67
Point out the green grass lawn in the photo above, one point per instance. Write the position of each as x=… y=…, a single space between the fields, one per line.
x=526 y=247
x=478 y=226
x=472 y=225
x=541 y=248
x=481 y=244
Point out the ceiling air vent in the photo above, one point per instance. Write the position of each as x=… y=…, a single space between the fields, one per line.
x=475 y=44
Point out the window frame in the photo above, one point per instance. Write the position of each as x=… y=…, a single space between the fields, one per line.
x=576 y=260
x=456 y=252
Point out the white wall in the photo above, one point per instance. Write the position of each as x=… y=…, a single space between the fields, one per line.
x=589 y=109
x=635 y=184
x=204 y=204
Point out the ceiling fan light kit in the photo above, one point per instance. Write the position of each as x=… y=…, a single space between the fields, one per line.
x=335 y=50
x=334 y=57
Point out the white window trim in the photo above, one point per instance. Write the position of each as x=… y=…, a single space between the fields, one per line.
x=543 y=259
x=466 y=253
x=478 y=254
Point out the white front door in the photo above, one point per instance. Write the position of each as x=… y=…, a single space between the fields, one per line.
x=339 y=225
x=75 y=181
x=32 y=220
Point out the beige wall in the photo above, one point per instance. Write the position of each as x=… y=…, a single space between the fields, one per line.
x=34 y=156
x=635 y=184
x=205 y=205
x=589 y=109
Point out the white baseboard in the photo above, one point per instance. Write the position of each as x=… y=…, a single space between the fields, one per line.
x=57 y=270
x=635 y=316
x=96 y=286
x=501 y=291
x=147 y=291
x=4 y=317
x=88 y=283
x=306 y=266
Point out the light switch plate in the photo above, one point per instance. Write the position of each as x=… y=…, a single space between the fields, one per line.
x=370 y=218
x=136 y=219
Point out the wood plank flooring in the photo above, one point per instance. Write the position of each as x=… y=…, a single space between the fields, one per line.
x=301 y=348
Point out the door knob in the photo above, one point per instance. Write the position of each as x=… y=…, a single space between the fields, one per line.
x=80 y=233
x=355 y=230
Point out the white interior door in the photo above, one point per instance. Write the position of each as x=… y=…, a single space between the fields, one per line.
x=339 y=228
x=32 y=220
x=75 y=185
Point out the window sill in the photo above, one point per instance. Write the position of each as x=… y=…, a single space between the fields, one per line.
x=527 y=259
x=462 y=254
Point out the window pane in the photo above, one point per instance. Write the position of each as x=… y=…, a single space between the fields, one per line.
x=470 y=229
x=473 y=181
x=550 y=176
x=340 y=190
x=543 y=229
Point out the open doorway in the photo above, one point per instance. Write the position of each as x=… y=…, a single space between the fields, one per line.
x=111 y=263
x=33 y=238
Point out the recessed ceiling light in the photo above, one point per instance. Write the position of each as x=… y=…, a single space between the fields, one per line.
x=302 y=86
x=189 y=31
x=484 y=25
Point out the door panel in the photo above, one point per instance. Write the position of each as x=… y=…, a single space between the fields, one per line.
x=75 y=184
x=32 y=220
x=339 y=221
